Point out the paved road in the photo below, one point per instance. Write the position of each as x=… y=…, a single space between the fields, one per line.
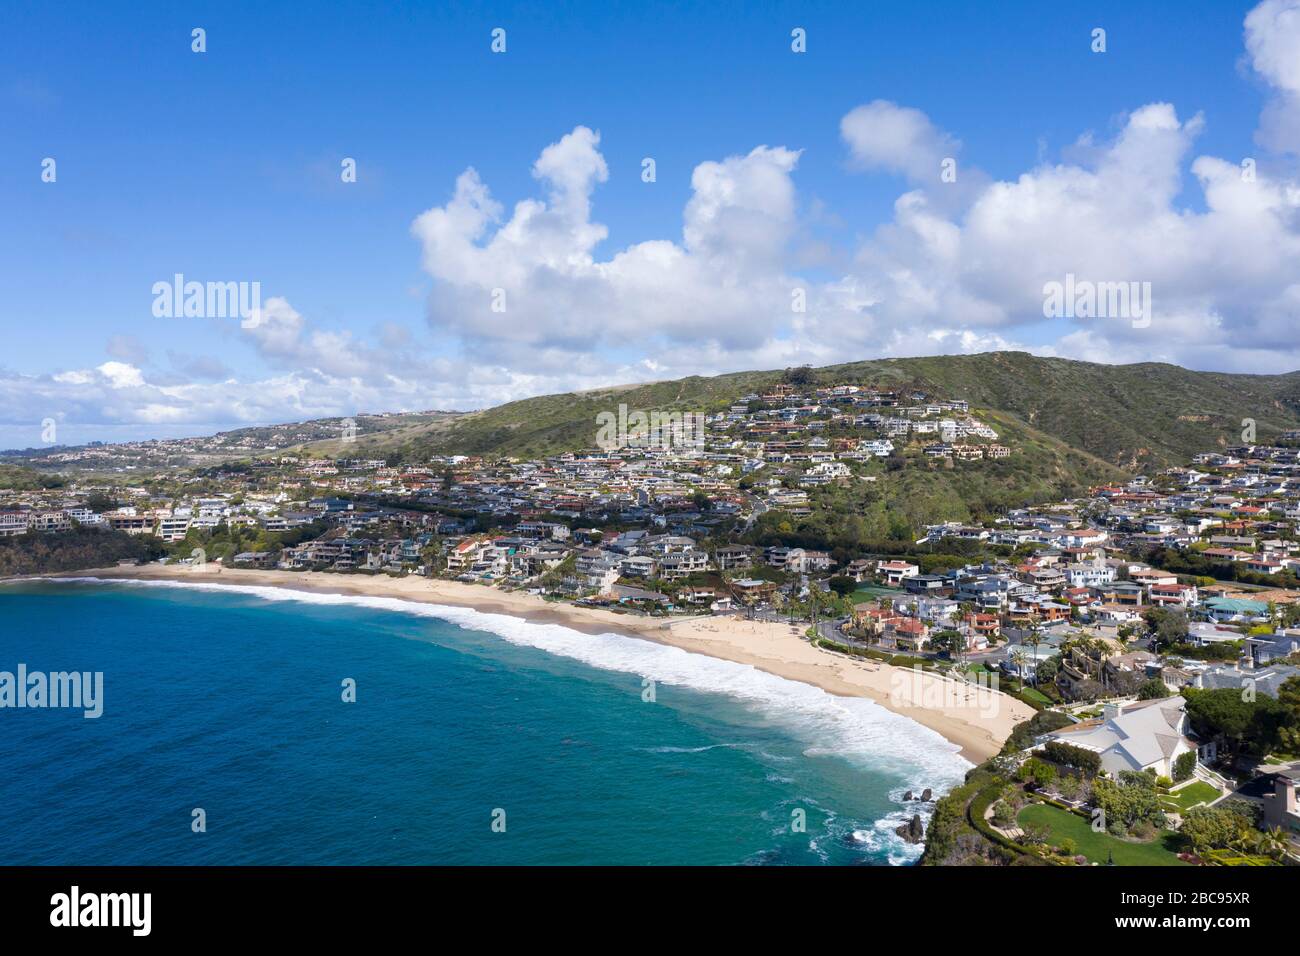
x=759 y=506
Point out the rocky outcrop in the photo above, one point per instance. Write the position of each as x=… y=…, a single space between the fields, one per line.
x=913 y=831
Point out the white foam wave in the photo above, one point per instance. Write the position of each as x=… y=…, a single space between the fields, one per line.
x=882 y=838
x=852 y=728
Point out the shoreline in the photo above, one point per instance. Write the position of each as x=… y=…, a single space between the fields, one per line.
x=976 y=719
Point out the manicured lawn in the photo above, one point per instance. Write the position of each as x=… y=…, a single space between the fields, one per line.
x=1099 y=847
x=1190 y=795
x=871 y=593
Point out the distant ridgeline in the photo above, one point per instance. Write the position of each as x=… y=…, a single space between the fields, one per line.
x=1133 y=417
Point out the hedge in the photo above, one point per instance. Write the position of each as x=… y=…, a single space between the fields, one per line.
x=1071 y=756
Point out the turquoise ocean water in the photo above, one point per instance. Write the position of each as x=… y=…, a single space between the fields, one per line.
x=231 y=701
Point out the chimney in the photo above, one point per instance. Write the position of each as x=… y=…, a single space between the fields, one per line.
x=1284 y=788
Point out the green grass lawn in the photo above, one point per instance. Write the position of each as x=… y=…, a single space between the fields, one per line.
x=1193 y=793
x=1038 y=696
x=871 y=593
x=1099 y=847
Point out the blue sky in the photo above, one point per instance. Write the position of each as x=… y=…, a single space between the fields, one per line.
x=225 y=166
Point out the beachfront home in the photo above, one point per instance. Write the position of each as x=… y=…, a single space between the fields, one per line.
x=753 y=590
x=907 y=633
x=13 y=523
x=1022 y=660
x=1147 y=735
x=462 y=556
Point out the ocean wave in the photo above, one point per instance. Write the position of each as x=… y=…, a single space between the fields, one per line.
x=855 y=729
x=882 y=840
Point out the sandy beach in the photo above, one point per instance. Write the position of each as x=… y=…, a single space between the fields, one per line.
x=976 y=719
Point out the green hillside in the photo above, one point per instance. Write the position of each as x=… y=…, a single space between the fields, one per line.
x=1136 y=417
x=1070 y=425
x=19 y=478
x=902 y=500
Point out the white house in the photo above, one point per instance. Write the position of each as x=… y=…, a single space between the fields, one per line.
x=1090 y=574
x=895 y=571
x=1148 y=735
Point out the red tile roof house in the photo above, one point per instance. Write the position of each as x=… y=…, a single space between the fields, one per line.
x=896 y=571
x=979 y=630
x=908 y=633
x=1168 y=595
x=1077 y=596
x=1265 y=565
x=1225 y=554
x=874 y=619
x=465 y=553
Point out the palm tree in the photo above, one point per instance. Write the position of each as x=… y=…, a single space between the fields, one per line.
x=1035 y=642
x=1275 y=843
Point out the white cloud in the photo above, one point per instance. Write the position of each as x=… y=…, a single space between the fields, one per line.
x=1273 y=44
x=1222 y=280
x=958 y=268
x=721 y=284
x=884 y=135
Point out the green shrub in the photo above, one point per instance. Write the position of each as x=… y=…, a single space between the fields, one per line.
x=1068 y=755
x=1036 y=771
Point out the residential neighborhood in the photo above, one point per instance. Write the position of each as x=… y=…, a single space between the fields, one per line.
x=1106 y=610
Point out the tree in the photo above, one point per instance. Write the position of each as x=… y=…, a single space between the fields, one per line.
x=949 y=642
x=1184 y=765
x=1291 y=614
x=1154 y=689
x=1004 y=815
x=1037 y=833
x=843 y=585
x=1169 y=625
x=1244 y=725
x=1288 y=699
x=1129 y=802
x=1210 y=828
x=1038 y=772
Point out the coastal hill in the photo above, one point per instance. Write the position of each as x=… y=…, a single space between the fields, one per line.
x=916 y=442
x=1066 y=426
x=1136 y=418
